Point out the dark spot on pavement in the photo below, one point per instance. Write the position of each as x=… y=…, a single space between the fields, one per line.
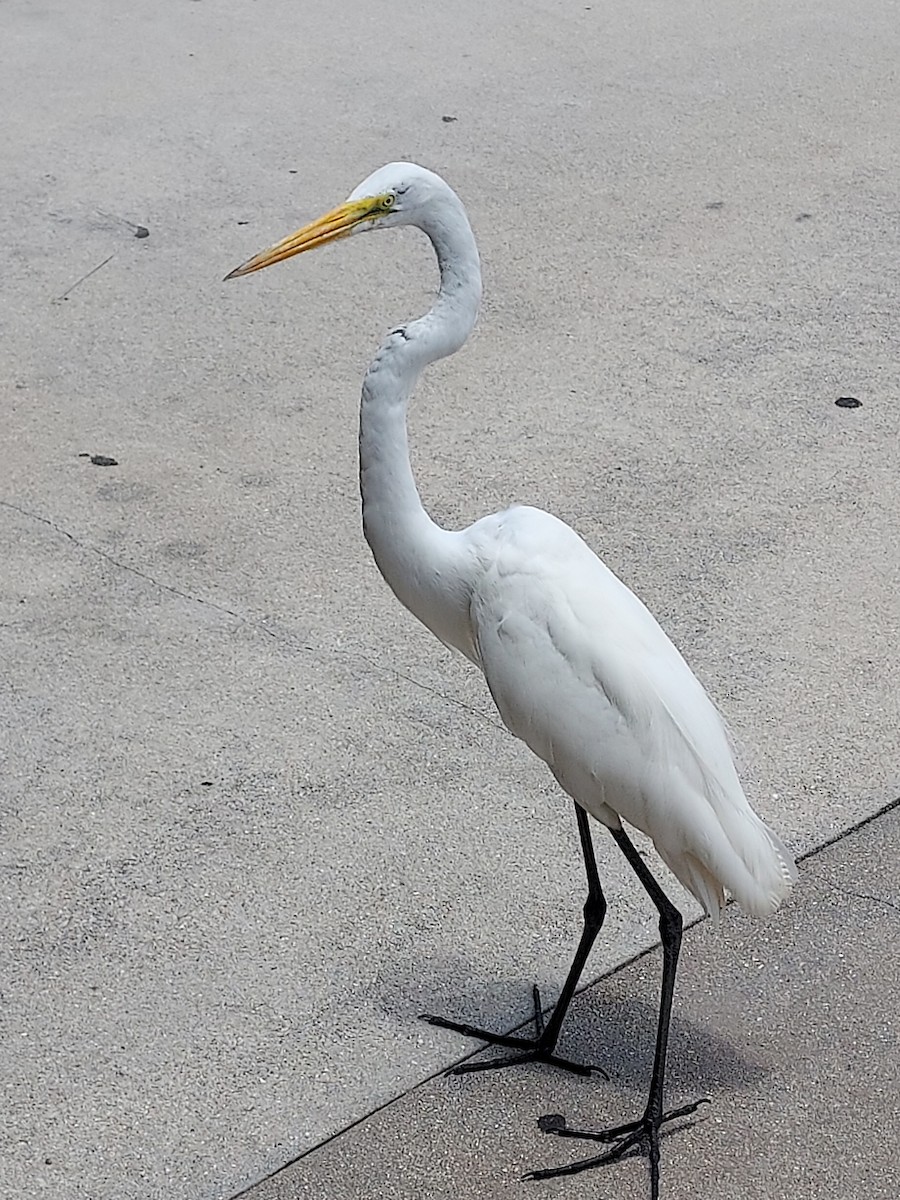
x=103 y=460
x=141 y=231
x=184 y=549
x=447 y=120
x=848 y=402
x=715 y=204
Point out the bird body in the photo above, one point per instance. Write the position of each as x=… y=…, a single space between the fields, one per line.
x=582 y=672
x=577 y=666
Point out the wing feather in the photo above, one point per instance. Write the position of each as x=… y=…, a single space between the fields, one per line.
x=581 y=671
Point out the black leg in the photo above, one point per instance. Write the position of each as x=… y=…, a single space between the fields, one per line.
x=541 y=1048
x=646 y=1130
x=594 y=915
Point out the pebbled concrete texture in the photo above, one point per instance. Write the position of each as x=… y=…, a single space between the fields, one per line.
x=253 y=819
x=789 y=1029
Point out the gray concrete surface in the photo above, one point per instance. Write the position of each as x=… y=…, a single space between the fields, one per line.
x=789 y=1028
x=254 y=820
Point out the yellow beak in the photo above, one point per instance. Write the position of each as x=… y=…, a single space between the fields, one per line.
x=338 y=223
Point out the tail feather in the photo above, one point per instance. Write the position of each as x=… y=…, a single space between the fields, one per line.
x=723 y=842
x=702 y=884
x=770 y=869
x=740 y=853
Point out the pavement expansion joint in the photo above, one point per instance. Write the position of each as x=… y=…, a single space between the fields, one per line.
x=277 y=636
x=812 y=853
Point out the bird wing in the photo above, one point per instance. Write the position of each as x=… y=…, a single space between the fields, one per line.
x=582 y=672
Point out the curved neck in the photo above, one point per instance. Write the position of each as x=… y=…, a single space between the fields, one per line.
x=411 y=551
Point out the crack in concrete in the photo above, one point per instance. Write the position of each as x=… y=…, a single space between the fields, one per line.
x=861 y=824
x=875 y=899
x=166 y=587
x=281 y=639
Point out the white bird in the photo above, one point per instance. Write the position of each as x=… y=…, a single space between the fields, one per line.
x=578 y=668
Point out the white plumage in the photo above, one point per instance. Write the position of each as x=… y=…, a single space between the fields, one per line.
x=577 y=666
x=584 y=675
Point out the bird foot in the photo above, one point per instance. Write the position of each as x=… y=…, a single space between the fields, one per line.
x=539 y=1049
x=630 y=1137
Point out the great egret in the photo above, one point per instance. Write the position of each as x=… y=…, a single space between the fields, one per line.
x=577 y=666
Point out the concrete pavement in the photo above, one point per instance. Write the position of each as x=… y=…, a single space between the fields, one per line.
x=253 y=819
x=790 y=1029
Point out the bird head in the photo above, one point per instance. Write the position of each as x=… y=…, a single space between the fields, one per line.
x=396 y=194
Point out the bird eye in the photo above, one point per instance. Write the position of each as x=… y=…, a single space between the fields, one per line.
x=388 y=200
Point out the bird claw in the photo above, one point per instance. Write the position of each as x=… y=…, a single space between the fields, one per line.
x=620 y=1139
x=534 y=1054
x=529 y=1049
